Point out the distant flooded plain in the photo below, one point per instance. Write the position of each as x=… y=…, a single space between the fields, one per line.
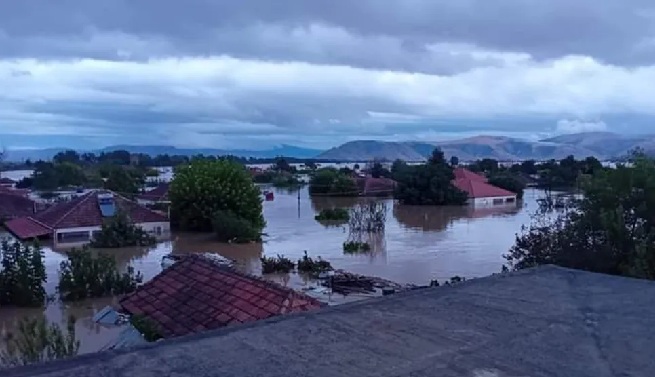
x=419 y=244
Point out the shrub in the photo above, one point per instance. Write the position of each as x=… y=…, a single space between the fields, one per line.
x=610 y=230
x=277 y=264
x=231 y=228
x=352 y=247
x=329 y=181
x=83 y=276
x=311 y=266
x=37 y=342
x=22 y=274
x=203 y=188
x=120 y=231
x=333 y=214
x=147 y=327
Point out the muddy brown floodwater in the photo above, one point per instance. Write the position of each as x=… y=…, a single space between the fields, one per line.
x=419 y=244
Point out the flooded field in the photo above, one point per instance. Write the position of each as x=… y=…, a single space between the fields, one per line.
x=419 y=244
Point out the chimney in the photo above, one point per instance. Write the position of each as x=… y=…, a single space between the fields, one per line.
x=106 y=204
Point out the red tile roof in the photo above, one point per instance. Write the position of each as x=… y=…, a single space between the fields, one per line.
x=462 y=173
x=478 y=189
x=85 y=211
x=197 y=294
x=26 y=228
x=14 y=205
x=159 y=193
x=6 y=181
x=375 y=186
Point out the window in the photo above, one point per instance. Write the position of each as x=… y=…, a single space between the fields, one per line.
x=158 y=230
x=73 y=236
x=509 y=200
x=498 y=201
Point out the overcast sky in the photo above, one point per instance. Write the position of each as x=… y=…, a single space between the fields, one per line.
x=258 y=73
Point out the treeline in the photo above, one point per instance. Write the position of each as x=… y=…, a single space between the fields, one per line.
x=123 y=157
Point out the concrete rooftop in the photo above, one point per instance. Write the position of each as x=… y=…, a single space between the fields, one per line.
x=543 y=322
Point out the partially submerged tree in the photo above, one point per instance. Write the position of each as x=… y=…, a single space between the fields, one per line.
x=37 y=341
x=610 y=230
x=22 y=274
x=87 y=275
x=203 y=188
x=429 y=184
x=331 y=182
x=120 y=231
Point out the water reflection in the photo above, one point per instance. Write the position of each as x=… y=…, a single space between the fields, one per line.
x=418 y=244
x=320 y=203
x=428 y=218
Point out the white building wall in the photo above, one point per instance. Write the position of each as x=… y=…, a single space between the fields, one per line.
x=158 y=229
x=492 y=201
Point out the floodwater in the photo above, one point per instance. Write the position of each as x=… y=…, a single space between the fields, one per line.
x=418 y=244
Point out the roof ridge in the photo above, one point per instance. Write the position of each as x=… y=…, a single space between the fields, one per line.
x=269 y=284
x=137 y=204
x=40 y=223
x=81 y=200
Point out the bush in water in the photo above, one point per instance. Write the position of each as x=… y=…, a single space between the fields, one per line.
x=37 y=342
x=120 y=231
x=333 y=214
x=277 y=264
x=231 y=228
x=22 y=274
x=352 y=247
x=84 y=275
x=311 y=266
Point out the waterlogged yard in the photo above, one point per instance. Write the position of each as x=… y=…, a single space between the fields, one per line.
x=419 y=244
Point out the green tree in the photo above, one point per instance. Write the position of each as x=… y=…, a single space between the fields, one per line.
x=38 y=342
x=611 y=230
x=22 y=274
x=454 y=161
x=508 y=181
x=69 y=156
x=86 y=275
x=203 y=188
x=378 y=171
x=120 y=231
x=123 y=180
x=281 y=164
x=329 y=181
x=429 y=184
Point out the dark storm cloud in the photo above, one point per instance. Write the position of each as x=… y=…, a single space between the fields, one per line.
x=364 y=33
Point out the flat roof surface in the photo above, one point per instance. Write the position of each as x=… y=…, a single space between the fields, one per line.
x=547 y=321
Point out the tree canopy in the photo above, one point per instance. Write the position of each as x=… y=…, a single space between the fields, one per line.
x=610 y=230
x=202 y=188
x=428 y=184
x=329 y=181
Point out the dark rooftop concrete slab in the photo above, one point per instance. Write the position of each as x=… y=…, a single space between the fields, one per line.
x=542 y=322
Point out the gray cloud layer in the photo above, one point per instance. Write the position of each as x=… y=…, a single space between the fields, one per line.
x=320 y=69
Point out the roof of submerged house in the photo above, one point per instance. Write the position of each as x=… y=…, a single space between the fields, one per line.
x=85 y=211
x=26 y=228
x=476 y=186
x=197 y=294
x=547 y=321
x=159 y=193
x=13 y=205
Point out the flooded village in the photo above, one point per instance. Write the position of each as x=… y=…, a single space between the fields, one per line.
x=417 y=246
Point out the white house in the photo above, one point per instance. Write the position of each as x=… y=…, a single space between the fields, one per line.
x=75 y=222
x=481 y=193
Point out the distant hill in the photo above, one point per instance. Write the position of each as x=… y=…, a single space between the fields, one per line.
x=606 y=144
x=366 y=150
x=154 y=150
x=601 y=145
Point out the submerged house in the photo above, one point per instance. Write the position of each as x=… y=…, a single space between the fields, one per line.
x=7 y=182
x=199 y=293
x=15 y=205
x=75 y=222
x=155 y=196
x=369 y=186
x=479 y=191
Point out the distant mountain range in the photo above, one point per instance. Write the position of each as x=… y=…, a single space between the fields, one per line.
x=603 y=145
